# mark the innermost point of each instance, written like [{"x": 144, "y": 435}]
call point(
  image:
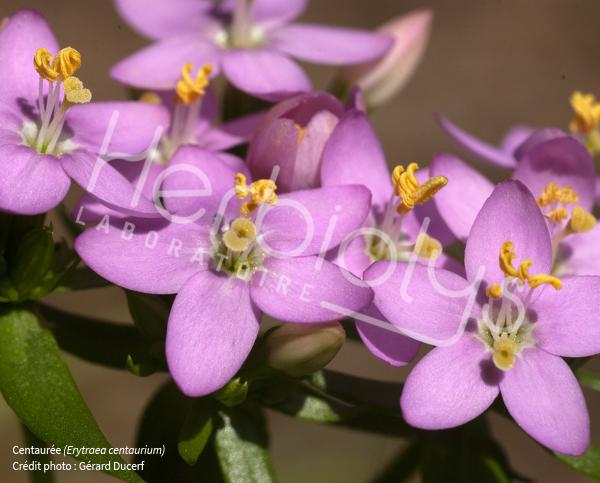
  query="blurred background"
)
[{"x": 490, "y": 64}]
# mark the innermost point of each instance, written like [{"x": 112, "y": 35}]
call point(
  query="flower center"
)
[
  {"x": 238, "y": 252},
  {"x": 241, "y": 32},
  {"x": 504, "y": 328},
  {"x": 189, "y": 92},
  {"x": 586, "y": 119},
  {"x": 58, "y": 73},
  {"x": 410, "y": 192}
]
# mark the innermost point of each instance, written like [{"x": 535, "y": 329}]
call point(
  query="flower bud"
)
[
  {"x": 381, "y": 79},
  {"x": 302, "y": 349},
  {"x": 292, "y": 136}
]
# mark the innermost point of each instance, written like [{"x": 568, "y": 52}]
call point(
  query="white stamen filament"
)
[
  {"x": 241, "y": 27},
  {"x": 52, "y": 116}
]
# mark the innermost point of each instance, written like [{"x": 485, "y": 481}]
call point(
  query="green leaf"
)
[
  {"x": 37, "y": 476},
  {"x": 38, "y": 386},
  {"x": 589, "y": 379},
  {"x": 401, "y": 467},
  {"x": 149, "y": 313},
  {"x": 81, "y": 278},
  {"x": 93, "y": 340},
  {"x": 196, "y": 430},
  {"x": 160, "y": 425},
  {"x": 241, "y": 443},
  {"x": 303, "y": 401},
  {"x": 33, "y": 260},
  {"x": 588, "y": 464},
  {"x": 467, "y": 453}
]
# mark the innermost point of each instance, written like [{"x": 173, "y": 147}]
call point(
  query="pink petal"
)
[
  {"x": 450, "y": 386},
  {"x": 545, "y": 399},
  {"x": 330, "y": 45},
  {"x": 158, "y": 66},
  {"x": 408, "y": 298},
  {"x": 146, "y": 256},
  {"x": 304, "y": 289},
  {"x": 509, "y": 214},
  {"x": 567, "y": 321},
  {"x": 264, "y": 73},
  {"x": 461, "y": 199},
  {"x": 165, "y": 18},
  {"x": 211, "y": 329},
  {"x": 30, "y": 183}
]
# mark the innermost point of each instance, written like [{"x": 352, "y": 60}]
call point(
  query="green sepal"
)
[{"x": 196, "y": 430}]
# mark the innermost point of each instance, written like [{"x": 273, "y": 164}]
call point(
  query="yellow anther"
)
[
  {"x": 581, "y": 221},
  {"x": 558, "y": 215},
  {"x": 505, "y": 352},
  {"x": 412, "y": 192},
  {"x": 150, "y": 97},
  {"x": 42, "y": 61},
  {"x": 586, "y": 110},
  {"x": 75, "y": 93},
  {"x": 67, "y": 62},
  {"x": 494, "y": 291},
  {"x": 553, "y": 194},
  {"x": 189, "y": 89},
  {"x": 427, "y": 247},
  {"x": 544, "y": 279},
  {"x": 506, "y": 258},
  {"x": 260, "y": 192},
  {"x": 301, "y": 133},
  {"x": 240, "y": 235}
]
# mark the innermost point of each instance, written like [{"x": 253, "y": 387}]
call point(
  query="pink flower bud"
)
[{"x": 382, "y": 79}]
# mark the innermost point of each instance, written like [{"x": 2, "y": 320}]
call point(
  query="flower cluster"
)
[{"x": 308, "y": 225}]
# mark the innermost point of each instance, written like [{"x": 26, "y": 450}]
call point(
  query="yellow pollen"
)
[
  {"x": 494, "y": 291},
  {"x": 42, "y": 61},
  {"x": 75, "y": 93},
  {"x": 240, "y": 235},
  {"x": 427, "y": 247},
  {"x": 260, "y": 192},
  {"x": 581, "y": 221},
  {"x": 506, "y": 258},
  {"x": 301, "y": 132},
  {"x": 553, "y": 194},
  {"x": 412, "y": 192},
  {"x": 505, "y": 352},
  {"x": 150, "y": 97},
  {"x": 586, "y": 117},
  {"x": 558, "y": 215},
  {"x": 67, "y": 62},
  {"x": 189, "y": 89}
]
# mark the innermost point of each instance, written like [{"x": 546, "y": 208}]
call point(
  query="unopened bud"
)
[
  {"x": 381, "y": 79},
  {"x": 302, "y": 349}
]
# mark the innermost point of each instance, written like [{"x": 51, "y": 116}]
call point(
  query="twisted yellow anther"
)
[
  {"x": 75, "y": 93},
  {"x": 42, "y": 61},
  {"x": 506, "y": 258},
  {"x": 189, "y": 89},
  {"x": 586, "y": 117},
  {"x": 558, "y": 215},
  {"x": 427, "y": 247},
  {"x": 553, "y": 194},
  {"x": 412, "y": 192},
  {"x": 581, "y": 221},
  {"x": 67, "y": 62},
  {"x": 260, "y": 192}
]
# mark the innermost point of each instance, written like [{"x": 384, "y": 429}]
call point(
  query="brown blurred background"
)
[{"x": 490, "y": 64}]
